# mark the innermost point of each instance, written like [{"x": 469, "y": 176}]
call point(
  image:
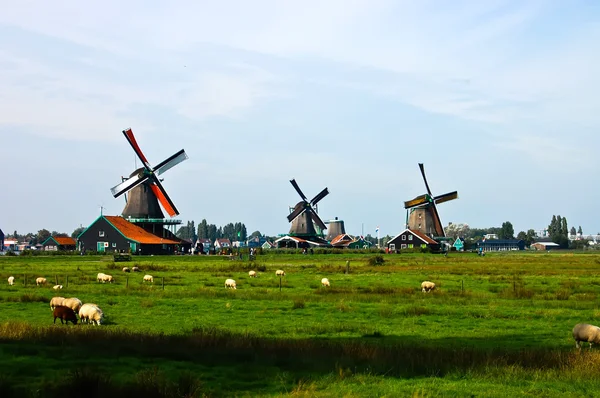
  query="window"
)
[
  {"x": 403, "y": 237},
  {"x": 410, "y": 246},
  {"x": 403, "y": 246},
  {"x": 392, "y": 246},
  {"x": 101, "y": 234},
  {"x": 114, "y": 245},
  {"x": 409, "y": 237}
]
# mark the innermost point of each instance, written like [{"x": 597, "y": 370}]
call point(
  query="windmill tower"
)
[
  {"x": 304, "y": 218},
  {"x": 422, "y": 214},
  {"x": 335, "y": 228},
  {"x": 145, "y": 191}
]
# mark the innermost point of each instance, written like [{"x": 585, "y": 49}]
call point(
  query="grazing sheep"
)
[
  {"x": 585, "y": 332},
  {"x": 280, "y": 272},
  {"x": 100, "y": 277},
  {"x": 427, "y": 286},
  {"x": 135, "y": 269},
  {"x": 108, "y": 278},
  {"x": 65, "y": 314},
  {"x": 73, "y": 303},
  {"x": 56, "y": 287},
  {"x": 325, "y": 282},
  {"x": 40, "y": 281},
  {"x": 252, "y": 274},
  {"x": 56, "y": 301},
  {"x": 91, "y": 313},
  {"x": 230, "y": 283},
  {"x": 148, "y": 278},
  {"x": 11, "y": 280},
  {"x": 126, "y": 269}
]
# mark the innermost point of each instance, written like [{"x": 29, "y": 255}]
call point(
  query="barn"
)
[
  {"x": 59, "y": 243},
  {"x": 411, "y": 239}
]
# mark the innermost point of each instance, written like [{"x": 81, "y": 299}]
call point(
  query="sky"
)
[{"x": 499, "y": 100}]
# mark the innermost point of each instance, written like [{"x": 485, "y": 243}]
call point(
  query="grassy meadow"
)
[{"x": 498, "y": 325}]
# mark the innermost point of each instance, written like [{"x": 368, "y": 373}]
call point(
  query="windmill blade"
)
[
  {"x": 424, "y": 178},
  {"x": 419, "y": 200},
  {"x": 446, "y": 197},
  {"x": 317, "y": 220},
  {"x": 439, "y": 229},
  {"x": 163, "y": 198},
  {"x": 319, "y": 196},
  {"x": 131, "y": 139},
  {"x": 293, "y": 181},
  {"x": 170, "y": 162},
  {"x": 128, "y": 184},
  {"x": 298, "y": 209}
]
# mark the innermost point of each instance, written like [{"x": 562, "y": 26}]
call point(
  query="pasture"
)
[{"x": 498, "y": 325}]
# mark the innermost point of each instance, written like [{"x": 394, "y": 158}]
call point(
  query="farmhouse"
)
[
  {"x": 342, "y": 240},
  {"x": 116, "y": 234},
  {"x": 499, "y": 245},
  {"x": 294, "y": 242},
  {"x": 63, "y": 243},
  {"x": 410, "y": 239},
  {"x": 544, "y": 246},
  {"x": 359, "y": 243},
  {"x": 459, "y": 244},
  {"x": 222, "y": 243}
]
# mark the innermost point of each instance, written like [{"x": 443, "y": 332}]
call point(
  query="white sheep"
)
[
  {"x": 230, "y": 283},
  {"x": 11, "y": 280},
  {"x": 427, "y": 286},
  {"x": 57, "y": 287},
  {"x": 325, "y": 282},
  {"x": 107, "y": 278},
  {"x": 100, "y": 277},
  {"x": 40, "y": 281},
  {"x": 280, "y": 272},
  {"x": 56, "y": 301},
  {"x": 148, "y": 278},
  {"x": 91, "y": 313},
  {"x": 585, "y": 332},
  {"x": 252, "y": 274},
  {"x": 126, "y": 269},
  {"x": 135, "y": 269},
  {"x": 73, "y": 303}
]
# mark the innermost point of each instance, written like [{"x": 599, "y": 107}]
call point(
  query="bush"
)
[
  {"x": 376, "y": 260},
  {"x": 298, "y": 304}
]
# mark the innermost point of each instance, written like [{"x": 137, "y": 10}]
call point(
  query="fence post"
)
[
  {"x": 279, "y": 283},
  {"x": 56, "y": 279},
  {"x": 24, "y": 279},
  {"x": 348, "y": 267},
  {"x": 163, "y": 283},
  {"x": 126, "y": 282},
  {"x": 462, "y": 284},
  {"x": 67, "y": 282}
]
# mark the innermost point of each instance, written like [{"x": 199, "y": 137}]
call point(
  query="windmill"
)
[
  {"x": 144, "y": 189},
  {"x": 424, "y": 216},
  {"x": 304, "y": 217}
]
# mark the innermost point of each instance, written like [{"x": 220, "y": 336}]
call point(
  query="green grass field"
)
[{"x": 498, "y": 325}]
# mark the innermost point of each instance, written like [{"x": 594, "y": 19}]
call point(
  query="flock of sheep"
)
[{"x": 66, "y": 309}]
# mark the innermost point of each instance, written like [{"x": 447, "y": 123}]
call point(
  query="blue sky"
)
[{"x": 499, "y": 99}]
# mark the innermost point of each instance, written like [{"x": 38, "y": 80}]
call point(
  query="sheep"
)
[
  {"x": 280, "y": 272},
  {"x": 325, "y": 282},
  {"x": 108, "y": 278},
  {"x": 91, "y": 313},
  {"x": 427, "y": 286},
  {"x": 40, "y": 281},
  {"x": 585, "y": 332},
  {"x": 126, "y": 269},
  {"x": 57, "y": 287},
  {"x": 148, "y": 278},
  {"x": 252, "y": 274},
  {"x": 100, "y": 277},
  {"x": 135, "y": 269},
  {"x": 73, "y": 303},
  {"x": 230, "y": 283},
  {"x": 56, "y": 301},
  {"x": 65, "y": 314},
  {"x": 11, "y": 280}
]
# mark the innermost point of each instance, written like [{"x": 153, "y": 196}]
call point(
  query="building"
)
[
  {"x": 115, "y": 234},
  {"x": 267, "y": 245},
  {"x": 203, "y": 246},
  {"x": 1, "y": 241},
  {"x": 411, "y": 239},
  {"x": 341, "y": 241},
  {"x": 459, "y": 244},
  {"x": 544, "y": 246},
  {"x": 63, "y": 243},
  {"x": 360, "y": 243},
  {"x": 222, "y": 244},
  {"x": 294, "y": 242},
  {"x": 500, "y": 245}
]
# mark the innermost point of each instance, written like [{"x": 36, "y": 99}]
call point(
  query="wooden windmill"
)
[
  {"x": 145, "y": 193},
  {"x": 422, "y": 211},
  {"x": 304, "y": 218}
]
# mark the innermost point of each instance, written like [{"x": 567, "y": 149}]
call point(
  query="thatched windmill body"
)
[
  {"x": 422, "y": 211},
  {"x": 144, "y": 192},
  {"x": 306, "y": 223}
]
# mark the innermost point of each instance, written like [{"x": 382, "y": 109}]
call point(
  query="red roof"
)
[
  {"x": 423, "y": 237},
  {"x": 64, "y": 240},
  {"x": 138, "y": 234}
]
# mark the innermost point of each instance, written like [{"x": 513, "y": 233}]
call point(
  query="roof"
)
[
  {"x": 423, "y": 237},
  {"x": 546, "y": 243},
  {"x": 298, "y": 240},
  {"x": 500, "y": 241},
  {"x": 136, "y": 233},
  {"x": 64, "y": 240},
  {"x": 341, "y": 238},
  {"x": 223, "y": 240}
]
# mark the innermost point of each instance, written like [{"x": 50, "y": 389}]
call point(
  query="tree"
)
[
  {"x": 522, "y": 236},
  {"x": 56, "y": 233},
  {"x": 203, "y": 229},
  {"x": 457, "y": 230},
  {"x": 42, "y": 235},
  {"x": 256, "y": 234},
  {"x": 507, "y": 231},
  {"x": 531, "y": 235},
  {"x": 77, "y": 232},
  {"x": 558, "y": 231},
  {"x": 573, "y": 231},
  {"x": 580, "y": 231}
]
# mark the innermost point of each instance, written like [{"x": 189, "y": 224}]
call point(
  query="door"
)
[{"x": 100, "y": 247}]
